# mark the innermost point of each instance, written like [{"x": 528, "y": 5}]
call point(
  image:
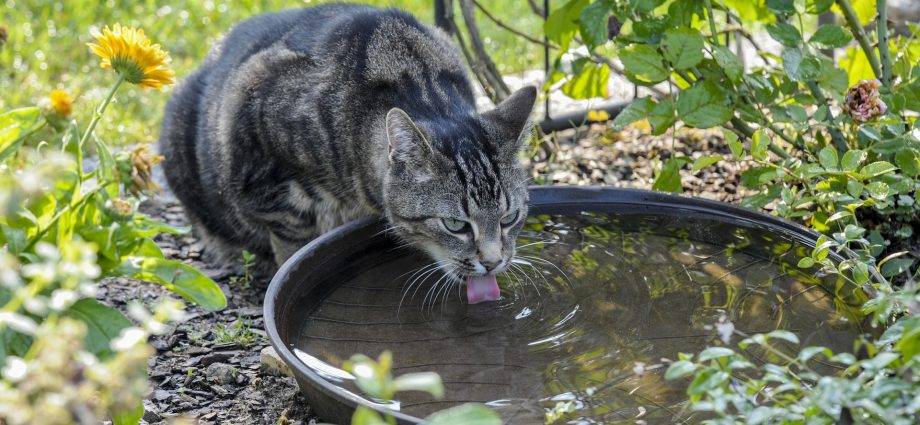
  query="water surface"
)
[{"x": 594, "y": 307}]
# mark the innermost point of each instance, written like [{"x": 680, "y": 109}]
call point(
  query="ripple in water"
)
[{"x": 590, "y": 310}]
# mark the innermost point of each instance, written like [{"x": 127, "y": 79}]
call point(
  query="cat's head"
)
[{"x": 455, "y": 187}]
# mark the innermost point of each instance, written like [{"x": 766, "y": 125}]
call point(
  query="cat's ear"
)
[
  {"x": 406, "y": 140},
  {"x": 513, "y": 112},
  {"x": 512, "y": 116}
]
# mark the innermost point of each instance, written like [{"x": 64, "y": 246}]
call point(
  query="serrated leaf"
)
[
  {"x": 644, "y": 62},
  {"x": 703, "y": 106},
  {"x": 729, "y": 62},
  {"x": 668, "y": 179},
  {"x": 800, "y": 66},
  {"x": 908, "y": 161},
  {"x": 784, "y": 33},
  {"x": 683, "y": 47},
  {"x": 635, "y": 111},
  {"x": 831, "y": 36},
  {"x": 592, "y": 22}
]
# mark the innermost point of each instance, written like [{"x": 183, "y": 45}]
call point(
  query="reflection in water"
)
[{"x": 592, "y": 308}]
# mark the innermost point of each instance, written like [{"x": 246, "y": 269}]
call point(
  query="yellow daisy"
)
[
  {"x": 130, "y": 53},
  {"x": 61, "y": 102}
]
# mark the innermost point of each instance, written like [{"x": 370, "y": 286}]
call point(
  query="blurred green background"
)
[{"x": 46, "y": 49}]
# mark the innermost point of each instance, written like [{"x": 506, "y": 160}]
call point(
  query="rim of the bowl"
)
[{"x": 542, "y": 198}]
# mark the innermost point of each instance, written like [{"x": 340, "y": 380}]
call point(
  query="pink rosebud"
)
[{"x": 863, "y": 101}]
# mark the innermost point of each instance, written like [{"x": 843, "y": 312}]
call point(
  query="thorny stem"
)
[
  {"x": 853, "y": 21},
  {"x": 881, "y": 26}
]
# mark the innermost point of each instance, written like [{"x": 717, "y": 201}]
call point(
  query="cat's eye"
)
[
  {"x": 455, "y": 226},
  {"x": 510, "y": 219}
]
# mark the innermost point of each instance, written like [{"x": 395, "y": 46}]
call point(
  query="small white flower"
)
[
  {"x": 47, "y": 251},
  {"x": 15, "y": 369},
  {"x": 18, "y": 322},
  {"x": 137, "y": 311},
  {"x": 89, "y": 290},
  {"x": 639, "y": 368},
  {"x": 725, "y": 329},
  {"x": 129, "y": 337},
  {"x": 37, "y": 305},
  {"x": 44, "y": 272},
  {"x": 62, "y": 298}
]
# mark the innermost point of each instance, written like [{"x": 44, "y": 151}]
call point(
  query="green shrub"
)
[{"x": 834, "y": 146}]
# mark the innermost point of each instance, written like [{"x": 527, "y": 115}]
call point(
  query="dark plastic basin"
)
[{"x": 339, "y": 294}]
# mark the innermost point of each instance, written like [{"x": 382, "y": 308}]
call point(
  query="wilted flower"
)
[
  {"x": 136, "y": 168},
  {"x": 863, "y": 102},
  {"x": 4, "y": 35},
  {"x": 130, "y": 53},
  {"x": 61, "y": 102}
]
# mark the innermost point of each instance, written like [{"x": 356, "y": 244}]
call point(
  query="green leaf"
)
[
  {"x": 366, "y": 416},
  {"x": 818, "y": 7},
  {"x": 562, "y": 24},
  {"x": 784, "y": 335},
  {"x": 908, "y": 161},
  {"x": 428, "y": 382},
  {"x": 729, "y": 62},
  {"x": 15, "y": 126},
  {"x": 103, "y": 324},
  {"x": 465, "y": 414},
  {"x": 668, "y": 179},
  {"x": 827, "y": 157},
  {"x": 852, "y": 159},
  {"x": 831, "y": 36},
  {"x": 662, "y": 116},
  {"x": 683, "y": 47},
  {"x": 865, "y": 10},
  {"x": 178, "y": 277},
  {"x": 781, "y": 6},
  {"x": 679, "y": 369},
  {"x": 705, "y": 161},
  {"x": 784, "y": 33},
  {"x": 855, "y": 188},
  {"x": 856, "y": 65},
  {"x": 593, "y": 22},
  {"x": 749, "y": 10},
  {"x": 635, "y": 111},
  {"x": 800, "y": 66},
  {"x": 715, "y": 353},
  {"x": 877, "y": 168},
  {"x": 703, "y": 106},
  {"x": 130, "y": 416},
  {"x": 878, "y": 190},
  {"x": 896, "y": 266},
  {"x": 760, "y": 142},
  {"x": 591, "y": 81},
  {"x": 808, "y": 353},
  {"x": 806, "y": 262},
  {"x": 736, "y": 147},
  {"x": 644, "y": 63}
]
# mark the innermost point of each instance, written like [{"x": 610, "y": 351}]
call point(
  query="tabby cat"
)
[{"x": 301, "y": 120}]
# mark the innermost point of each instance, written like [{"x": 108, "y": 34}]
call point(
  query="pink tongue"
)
[{"x": 481, "y": 288}]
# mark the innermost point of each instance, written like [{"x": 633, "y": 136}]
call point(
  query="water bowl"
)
[{"x": 609, "y": 284}]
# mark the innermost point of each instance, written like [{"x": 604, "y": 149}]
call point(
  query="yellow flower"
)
[
  {"x": 130, "y": 53},
  {"x": 596, "y": 115},
  {"x": 61, "y": 102}
]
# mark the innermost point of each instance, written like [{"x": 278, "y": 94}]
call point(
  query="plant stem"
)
[
  {"x": 839, "y": 142},
  {"x": 97, "y": 116},
  {"x": 853, "y": 21},
  {"x": 881, "y": 27},
  {"x": 712, "y": 22},
  {"x": 748, "y": 132}
]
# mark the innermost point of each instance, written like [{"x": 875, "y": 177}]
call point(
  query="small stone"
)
[
  {"x": 220, "y": 373},
  {"x": 271, "y": 363},
  {"x": 160, "y": 395}
]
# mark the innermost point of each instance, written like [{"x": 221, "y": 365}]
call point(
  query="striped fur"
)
[{"x": 301, "y": 120}]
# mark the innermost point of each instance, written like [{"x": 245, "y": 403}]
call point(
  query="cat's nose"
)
[{"x": 491, "y": 265}]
